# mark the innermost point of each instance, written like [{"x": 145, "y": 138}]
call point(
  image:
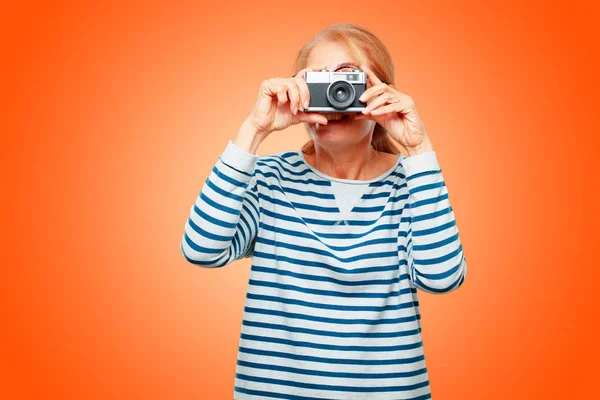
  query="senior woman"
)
[{"x": 341, "y": 233}]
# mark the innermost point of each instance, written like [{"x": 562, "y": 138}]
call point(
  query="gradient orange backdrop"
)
[{"x": 114, "y": 114}]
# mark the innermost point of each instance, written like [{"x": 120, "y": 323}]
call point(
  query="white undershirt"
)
[{"x": 347, "y": 195}]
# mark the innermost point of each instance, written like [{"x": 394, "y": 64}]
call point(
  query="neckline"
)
[{"x": 354, "y": 181}]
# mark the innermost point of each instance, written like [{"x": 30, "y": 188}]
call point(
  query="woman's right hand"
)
[{"x": 281, "y": 102}]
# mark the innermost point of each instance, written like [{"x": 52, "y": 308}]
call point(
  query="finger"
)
[
  {"x": 282, "y": 94},
  {"x": 363, "y": 116},
  {"x": 303, "y": 87},
  {"x": 294, "y": 97},
  {"x": 372, "y": 91},
  {"x": 394, "y": 107},
  {"x": 312, "y": 117},
  {"x": 402, "y": 104},
  {"x": 378, "y": 101},
  {"x": 371, "y": 75},
  {"x": 271, "y": 87},
  {"x": 304, "y": 93}
]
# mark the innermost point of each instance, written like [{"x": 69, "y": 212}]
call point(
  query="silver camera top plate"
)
[{"x": 358, "y": 77}]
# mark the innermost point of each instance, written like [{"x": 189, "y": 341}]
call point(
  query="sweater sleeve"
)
[
  {"x": 223, "y": 222},
  {"x": 433, "y": 250}
]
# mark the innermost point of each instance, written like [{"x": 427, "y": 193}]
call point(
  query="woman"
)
[{"x": 341, "y": 234}]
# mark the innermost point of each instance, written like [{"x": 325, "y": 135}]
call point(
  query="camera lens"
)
[{"x": 340, "y": 94}]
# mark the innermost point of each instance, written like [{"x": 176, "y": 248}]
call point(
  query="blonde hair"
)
[{"x": 360, "y": 42}]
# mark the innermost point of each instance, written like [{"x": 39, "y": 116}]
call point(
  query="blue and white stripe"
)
[{"x": 331, "y": 309}]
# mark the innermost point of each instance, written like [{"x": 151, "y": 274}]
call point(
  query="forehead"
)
[{"x": 330, "y": 54}]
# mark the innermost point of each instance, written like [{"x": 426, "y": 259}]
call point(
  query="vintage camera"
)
[{"x": 336, "y": 91}]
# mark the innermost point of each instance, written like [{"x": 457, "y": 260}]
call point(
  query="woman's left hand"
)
[{"x": 396, "y": 112}]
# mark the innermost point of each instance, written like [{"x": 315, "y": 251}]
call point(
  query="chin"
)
[{"x": 336, "y": 137}]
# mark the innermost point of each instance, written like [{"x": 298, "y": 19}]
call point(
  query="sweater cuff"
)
[
  {"x": 239, "y": 158},
  {"x": 426, "y": 161}
]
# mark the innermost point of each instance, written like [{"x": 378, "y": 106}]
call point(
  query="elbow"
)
[
  {"x": 200, "y": 256},
  {"x": 444, "y": 282}
]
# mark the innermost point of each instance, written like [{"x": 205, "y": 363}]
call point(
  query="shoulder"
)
[{"x": 284, "y": 163}]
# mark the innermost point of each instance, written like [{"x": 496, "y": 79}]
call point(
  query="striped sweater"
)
[{"x": 331, "y": 309}]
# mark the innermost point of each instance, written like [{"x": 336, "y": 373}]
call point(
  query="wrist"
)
[
  {"x": 249, "y": 137},
  {"x": 422, "y": 147}
]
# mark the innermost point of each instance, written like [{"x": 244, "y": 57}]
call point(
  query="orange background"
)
[{"x": 114, "y": 114}]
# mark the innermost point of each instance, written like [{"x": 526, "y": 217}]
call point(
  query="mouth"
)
[{"x": 338, "y": 118}]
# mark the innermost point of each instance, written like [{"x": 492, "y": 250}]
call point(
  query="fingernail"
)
[
  {"x": 361, "y": 98},
  {"x": 295, "y": 110},
  {"x": 306, "y": 104}
]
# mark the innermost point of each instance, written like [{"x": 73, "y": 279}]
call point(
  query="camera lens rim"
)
[{"x": 341, "y": 104}]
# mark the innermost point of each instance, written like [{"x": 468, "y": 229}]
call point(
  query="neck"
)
[{"x": 356, "y": 161}]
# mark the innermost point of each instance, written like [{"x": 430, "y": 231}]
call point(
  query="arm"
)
[
  {"x": 433, "y": 250},
  {"x": 224, "y": 220}
]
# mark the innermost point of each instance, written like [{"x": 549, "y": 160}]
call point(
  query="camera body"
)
[{"x": 336, "y": 91}]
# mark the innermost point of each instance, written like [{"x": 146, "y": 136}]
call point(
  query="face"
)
[{"x": 338, "y": 134}]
